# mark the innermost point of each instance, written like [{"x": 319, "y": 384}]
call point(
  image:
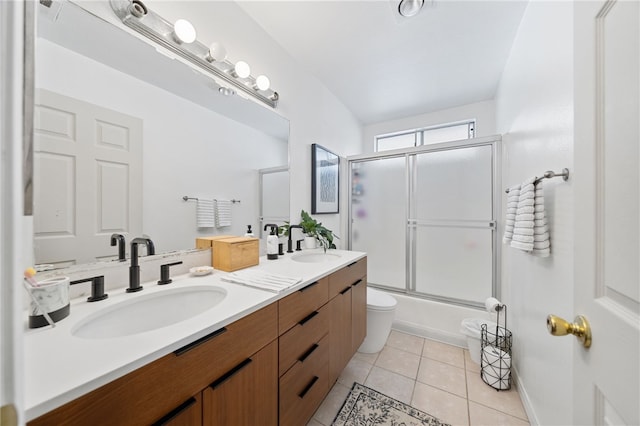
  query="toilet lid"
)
[{"x": 380, "y": 300}]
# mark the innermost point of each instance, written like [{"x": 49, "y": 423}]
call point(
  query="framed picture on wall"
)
[{"x": 325, "y": 179}]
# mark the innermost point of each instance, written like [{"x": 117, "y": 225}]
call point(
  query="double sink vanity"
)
[{"x": 202, "y": 351}]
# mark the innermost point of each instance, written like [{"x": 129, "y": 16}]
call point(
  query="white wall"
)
[
  {"x": 534, "y": 112},
  {"x": 315, "y": 114},
  {"x": 483, "y": 112}
]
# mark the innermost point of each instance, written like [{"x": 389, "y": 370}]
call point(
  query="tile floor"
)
[{"x": 434, "y": 377}]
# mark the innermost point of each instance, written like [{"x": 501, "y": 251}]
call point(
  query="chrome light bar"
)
[{"x": 135, "y": 15}]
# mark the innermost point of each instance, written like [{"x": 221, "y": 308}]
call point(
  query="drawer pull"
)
[
  {"x": 308, "y": 352},
  {"x": 308, "y": 387},
  {"x": 345, "y": 290},
  {"x": 306, "y": 319},
  {"x": 198, "y": 342},
  {"x": 308, "y": 287},
  {"x": 357, "y": 282},
  {"x": 175, "y": 412},
  {"x": 226, "y": 376},
  {"x": 351, "y": 264}
]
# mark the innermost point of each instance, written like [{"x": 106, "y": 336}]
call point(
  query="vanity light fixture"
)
[
  {"x": 242, "y": 69},
  {"x": 180, "y": 38},
  {"x": 183, "y": 31},
  {"x": 409, "y": 8},
  {"x": 262, "y": 82},
  {"x": 217, "y": 52}
]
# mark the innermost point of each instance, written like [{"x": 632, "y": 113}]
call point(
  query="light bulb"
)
[
  {"x": 184, "y": 32},
  {"x": 262, "y": 82},
  {"x": 242, "y": 69},
  {"x": 217, "y": 52}
]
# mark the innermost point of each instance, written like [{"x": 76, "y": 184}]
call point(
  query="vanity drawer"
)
[
  {"x": 201, "y": 362},
  {"x": 346, "y": 276},
  {"x": 298, "y": 305},
  {"x": 304, "y": 386},
  {"x": 150, "y": 392},
  {"x": 297, "y": 341}
]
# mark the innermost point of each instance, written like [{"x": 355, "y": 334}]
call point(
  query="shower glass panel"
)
[
  {"x": 378, "y": 218},
  {"x": 452, "y": 223}
]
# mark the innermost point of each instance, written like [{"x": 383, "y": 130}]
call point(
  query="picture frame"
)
[{"x": 325, "y": 180}]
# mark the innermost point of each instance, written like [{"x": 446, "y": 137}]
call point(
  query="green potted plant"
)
[{"x": 314, "y": 231}]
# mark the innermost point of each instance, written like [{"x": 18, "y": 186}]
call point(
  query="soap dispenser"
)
[
  {"x": 272, "y": 241},
  {"x": 249, "y": 232}
]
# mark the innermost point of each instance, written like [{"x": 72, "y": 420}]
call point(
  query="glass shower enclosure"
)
[{"x": 426, "y": 217}]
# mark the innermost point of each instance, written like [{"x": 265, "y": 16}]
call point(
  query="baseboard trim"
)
[
  {"x": 524, "y": 397},
  {"x": 430, "y": 333}
]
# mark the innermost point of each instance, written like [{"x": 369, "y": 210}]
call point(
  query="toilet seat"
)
[{"x": 379, "y": 301}]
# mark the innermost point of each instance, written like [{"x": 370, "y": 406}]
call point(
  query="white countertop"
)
[{"x": 60, "y": 367}]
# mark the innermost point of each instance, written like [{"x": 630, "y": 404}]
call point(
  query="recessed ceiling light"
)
[{"x": 409, "y": 8}]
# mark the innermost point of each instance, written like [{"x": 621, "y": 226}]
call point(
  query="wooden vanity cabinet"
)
[
  {"x": 304, "y": 352},
  {"x": 321, "y": 328},
  {"x": 245, "y": 395},
  {"x": 348, "y": 306},
  {"x": 151, "y": 393}
]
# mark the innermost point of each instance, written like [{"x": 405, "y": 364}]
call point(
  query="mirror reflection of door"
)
[
  {"x": 274, "y": 196},
  {"x": 89, "y": 180}
]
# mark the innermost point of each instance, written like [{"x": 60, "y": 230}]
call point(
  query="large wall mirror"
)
[{"x": 124, "y": 132}]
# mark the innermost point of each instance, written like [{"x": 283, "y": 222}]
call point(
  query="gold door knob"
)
[{"x": 579, "y": 328}]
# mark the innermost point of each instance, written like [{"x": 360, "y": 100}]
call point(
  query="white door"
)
[
  {"x": 607, "y": 217},
  {"x": 87, "y": 180}
]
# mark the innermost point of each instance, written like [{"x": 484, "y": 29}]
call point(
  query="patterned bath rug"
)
[{"x": 367, "y": 407}]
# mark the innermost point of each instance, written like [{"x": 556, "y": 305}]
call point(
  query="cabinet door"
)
[
  {"x": 189, "y": 413},
  {"x": 339, "y": 333},
  {"x": 358, "y": 313},
  {"x": 247, "y": 394}
]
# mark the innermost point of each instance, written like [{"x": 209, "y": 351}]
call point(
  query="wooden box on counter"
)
[{"x": 230, "y": 253}]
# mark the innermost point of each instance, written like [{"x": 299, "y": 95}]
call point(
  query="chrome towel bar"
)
[{"x": 551, "y": 174}]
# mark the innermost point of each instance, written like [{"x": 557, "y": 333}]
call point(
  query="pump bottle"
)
[{"x": 272, "y": 241}]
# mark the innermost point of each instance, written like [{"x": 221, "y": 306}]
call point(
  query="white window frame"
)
[{"x": 419, "y": 132}]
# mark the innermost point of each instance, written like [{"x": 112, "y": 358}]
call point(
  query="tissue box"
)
[{"x": 231, "y": 253}]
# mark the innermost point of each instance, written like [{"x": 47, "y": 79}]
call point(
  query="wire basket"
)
[{"x": 495, "y": 357}]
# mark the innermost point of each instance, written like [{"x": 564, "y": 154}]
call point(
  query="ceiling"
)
[{"x": 383, "y": 66}]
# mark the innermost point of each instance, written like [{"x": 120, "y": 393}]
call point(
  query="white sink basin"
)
[
  {"x": 315, "y": 257},
  {"x": 149, "y": 312}
]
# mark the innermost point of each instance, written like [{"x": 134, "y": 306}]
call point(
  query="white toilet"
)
[{"x": 381, "y": 308}]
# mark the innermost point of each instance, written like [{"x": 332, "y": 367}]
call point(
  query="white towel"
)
[
  {"x": 223, "y": 213},
  {"x": 530, "y": 230},
  {"x": 262, "y": 280},
  {"x": 512, "y": 204},
  {"x": 541, "y": 243},
  {"x": 204, "y": 213},
  {"x": 523, "y": 227}
]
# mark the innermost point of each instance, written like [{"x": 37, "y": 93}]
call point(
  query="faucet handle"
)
[
  {"x": 97, "y": 288},
  {"x": 164, "y": 273}
]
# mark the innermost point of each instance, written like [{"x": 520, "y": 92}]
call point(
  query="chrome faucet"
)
[
  {"x": 134, "y": 269},
  {"x": 119, "y": 240},
  {"x": 290, "y": 243}
]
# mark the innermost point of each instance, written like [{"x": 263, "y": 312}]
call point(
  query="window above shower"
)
[{"x": 446, "y": 132}]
